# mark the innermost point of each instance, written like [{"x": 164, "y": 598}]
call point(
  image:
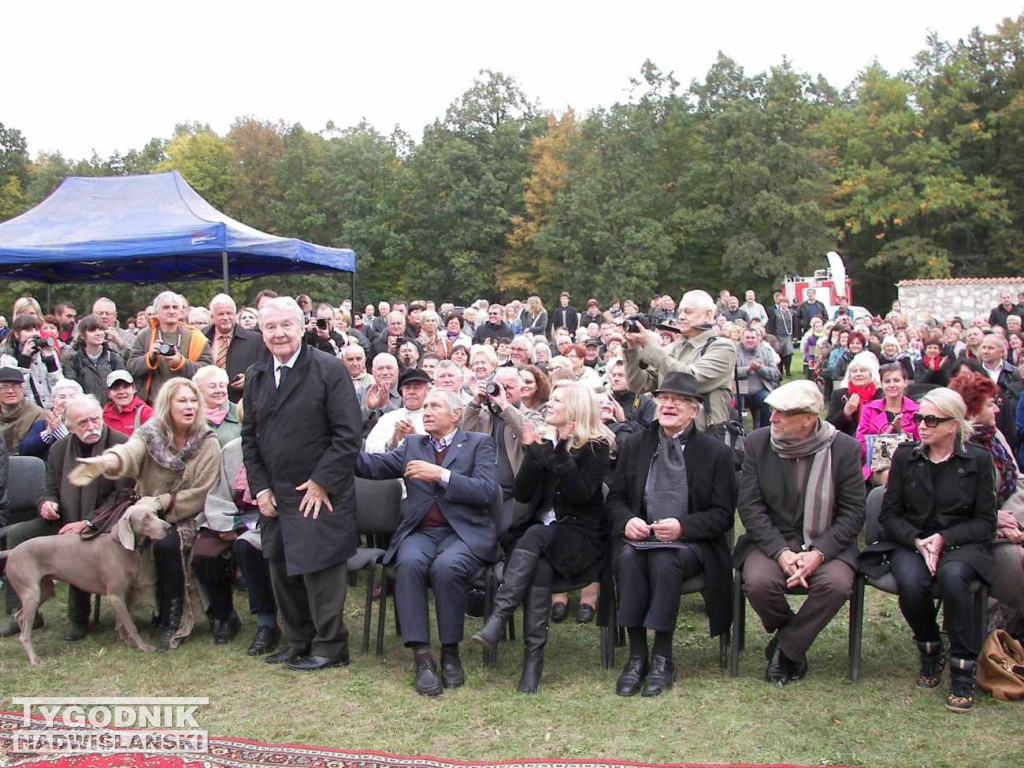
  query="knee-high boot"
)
[
  {"x": 535, "y": 636},
  {"x": 518, "y": 572}
]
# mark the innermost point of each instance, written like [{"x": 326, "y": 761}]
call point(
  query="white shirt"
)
[
  {"x": 290, "y": 363},
  {"x": 994, "y": 375},
  {"x": 379, "y": 437}
]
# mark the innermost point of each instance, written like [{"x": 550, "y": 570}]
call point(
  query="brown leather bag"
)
[{"x": 1001, "y": 667}]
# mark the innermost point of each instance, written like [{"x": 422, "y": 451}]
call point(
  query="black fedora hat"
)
[
  {"x": 679, "y": 383},
  {"x": 410, "y": 375}
]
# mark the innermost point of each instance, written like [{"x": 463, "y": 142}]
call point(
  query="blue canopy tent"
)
[{"x": 148, "y": 229}]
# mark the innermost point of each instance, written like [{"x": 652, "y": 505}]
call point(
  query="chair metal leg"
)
[
  {"x": 981, "y": 612},
  {"x": 620, "y": 637},
  {"x": 490, "y": 655},
  {"x": 371, "y": 571},
  {"x": 723, "y": 650},
  {"x": 737, "y": 624},
  {"x": 856, "y": 626},
  {"x": 382, "y": 610}
]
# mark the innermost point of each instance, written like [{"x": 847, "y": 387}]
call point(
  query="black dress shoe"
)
[
  {"x": 797, "y": 669},
  {"x": 585, "y": 614},
  {"x": 559, "y": 611},
  {"x": 427, "y": 682},
  {"x": 286, "y": 654},
  {"x": 777, "y": 671},
  {"x": 264, "y": 641},
  {"x": 632, "y": 676},
  {"x": 227, "y": 629},
  {"x": 75, "y": 632},
  {"x": 452, "y": 675},
  {"x": 660, "y": 678},
  {"x": 315, "y": 663}
]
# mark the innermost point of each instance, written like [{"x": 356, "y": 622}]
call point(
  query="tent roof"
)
[{"x": 145, "y": 229}]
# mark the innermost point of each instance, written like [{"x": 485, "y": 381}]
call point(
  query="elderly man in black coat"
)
[
  {"x": 672, "y": 500},
  {"x": 300, "y": 438},
  {"x": 802, "y": 504}
]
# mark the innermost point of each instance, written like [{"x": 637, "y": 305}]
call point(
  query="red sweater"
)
[{"x": 124, "y": 421}]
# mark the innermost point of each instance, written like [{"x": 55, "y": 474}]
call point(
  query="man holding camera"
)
[
  {"x": 233, "y": 347},
  {"x": 392, "y": 337},
  {"x": 320, "y": 333},
  {"x": 700, "y": 351},
  {"x": 167, "y": 348}
]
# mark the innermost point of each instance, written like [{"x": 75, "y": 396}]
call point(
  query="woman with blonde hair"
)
[
  {"x": 535, "y": 317},
  {"x": 175, "y": 459},
  {"x": 938, "y": 518},
  {"x": 432, "y": 338},
  {"x": 565, "y": 535}
]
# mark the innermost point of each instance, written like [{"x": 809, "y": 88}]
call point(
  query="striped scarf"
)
[{"x": 819, "y": 495}]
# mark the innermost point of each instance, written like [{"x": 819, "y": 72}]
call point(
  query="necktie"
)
[
  {"x": 223, "y": 342},
  {"x": 282, "y": 374}
]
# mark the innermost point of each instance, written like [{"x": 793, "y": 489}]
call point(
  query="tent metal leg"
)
[{"x": 224, "y": 270}]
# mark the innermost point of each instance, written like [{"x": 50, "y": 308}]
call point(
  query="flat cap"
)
[
  {"x": 11, "y": 375},
  {"x": 802, "y": 395}
]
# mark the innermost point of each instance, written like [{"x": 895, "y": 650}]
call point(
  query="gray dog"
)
[{"x": 106, "y": 565}]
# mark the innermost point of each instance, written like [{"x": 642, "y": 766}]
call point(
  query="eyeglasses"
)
[{"x": 930, "y": 421}]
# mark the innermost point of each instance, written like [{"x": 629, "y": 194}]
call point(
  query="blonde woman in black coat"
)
[{"x": 566, "y": 533}]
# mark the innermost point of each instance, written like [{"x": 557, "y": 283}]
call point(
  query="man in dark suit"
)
[
  {"x": 809, "y": 309},
  {"x": 233, "y": 347},
  {"x": 445, "y": 535},
  {"x": 300, "y": 438},
  {"x": 802, "y": 505},
  {"x": 675, "y": 486},
  {"x": 781, "y": 325},
  {"x": 564, "y": 315}
]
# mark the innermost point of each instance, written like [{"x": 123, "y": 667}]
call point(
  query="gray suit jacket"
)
[{"x": 771, "y": 509}]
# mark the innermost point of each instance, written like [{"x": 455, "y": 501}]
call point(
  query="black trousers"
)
[
  {"x": 433, "y": 557},
  {"x": 216, "y": 574},
  {"x": 650, "y": 585},
  {"x": 312, "y": 608},
  {"x": 170, "y": 576},
  {"x": 918, "y": 608},
  {"x": 256, "y": 572}
]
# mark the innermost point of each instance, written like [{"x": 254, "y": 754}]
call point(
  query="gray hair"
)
[
  {"x": 62, "y": 384},
  {"x": 81, "y": 401},
  {"x": 530, "y": 352},
  {"x": 451, "y": 400},
  {"x": 165, "y": 297},
  {"x": 700, "y": 299},
  {"x": 282, "y": 304},
  {"x": 223, "y": 298},
  {"x": 949, "y": 403},
  {"x": 210, "y": 372},
  {"x": 384, "y": 358}
]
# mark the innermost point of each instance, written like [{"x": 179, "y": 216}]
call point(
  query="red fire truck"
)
[{"x": 828, "y": 284}]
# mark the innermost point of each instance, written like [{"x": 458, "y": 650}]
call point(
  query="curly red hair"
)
[{"x": 975, "y": 389}]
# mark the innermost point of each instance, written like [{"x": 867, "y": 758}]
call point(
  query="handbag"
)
[
  {"x": 881, "y": 449},
  {"x": 1001, "y": 667}
]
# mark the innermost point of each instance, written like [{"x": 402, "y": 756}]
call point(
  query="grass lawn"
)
[{"x": 708, "y": 717}]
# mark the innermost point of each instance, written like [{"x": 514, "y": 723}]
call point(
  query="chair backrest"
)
[
  {"x": 872, "y": 528},
  {"x": 25, "y": 480},
  {"x": 378, "y": 505}
]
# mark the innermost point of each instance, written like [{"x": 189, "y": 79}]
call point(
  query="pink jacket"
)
[{"x": 874, "y": 420}]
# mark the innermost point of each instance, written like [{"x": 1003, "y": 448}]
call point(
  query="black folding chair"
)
[{"x": 378, "y": 509}]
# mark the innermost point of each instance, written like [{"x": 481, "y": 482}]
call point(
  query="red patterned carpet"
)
[{"x": 241, "y": 753}]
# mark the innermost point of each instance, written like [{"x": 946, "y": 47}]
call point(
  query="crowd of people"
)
[{"x": 611, "y": 439}]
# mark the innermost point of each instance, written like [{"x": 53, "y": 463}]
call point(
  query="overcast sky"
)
[{"x": 109, "y": 75}]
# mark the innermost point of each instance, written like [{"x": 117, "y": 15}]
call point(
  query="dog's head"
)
[{"x": 139, "y": 522}]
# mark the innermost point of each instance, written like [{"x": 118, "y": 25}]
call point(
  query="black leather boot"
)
[
  {"x": 171, "y": 623},
  {"x": 518, "y": 572},
  {"x": 961, "y": 688},
  {"x": 535, "y": 636},
  {"x": 933, "y": 661}
]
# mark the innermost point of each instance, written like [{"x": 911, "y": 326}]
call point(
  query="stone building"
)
[{"x": 966, "y": 297}]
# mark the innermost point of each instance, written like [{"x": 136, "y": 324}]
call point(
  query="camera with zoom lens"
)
[
  {"x": 167, "y": 350},
  {"x": 493, "y": 389},
  {"x": 322, "y": 323},
  {"x": 636, "y": 324},
  {"x": 44, "y": 341}
]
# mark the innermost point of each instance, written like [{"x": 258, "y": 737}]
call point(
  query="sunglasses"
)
[{"x": 931, "y": 421}]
